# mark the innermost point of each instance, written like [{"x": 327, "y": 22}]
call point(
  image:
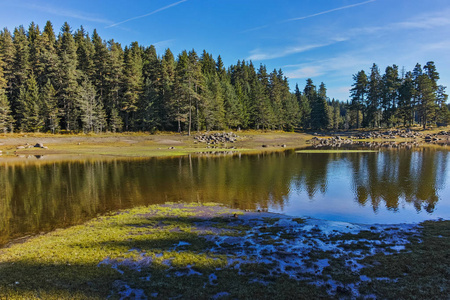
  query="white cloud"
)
[
  {"x": 259, "y": 54},
  {"x": 339, "y": 65},
  {"x": 68, "y": 13},
  {"x": 305, "y": 72},
  {"x": 163, "y": 44}
]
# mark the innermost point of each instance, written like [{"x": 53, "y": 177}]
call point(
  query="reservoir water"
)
[{"x": 40, "y": 194}]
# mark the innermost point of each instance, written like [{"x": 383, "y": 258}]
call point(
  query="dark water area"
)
[{"x": 389, "y": 186}]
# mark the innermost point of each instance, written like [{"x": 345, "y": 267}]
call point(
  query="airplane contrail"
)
[
  {"x": 149, "y": 14},
  {"x": 328, "y": 11}
]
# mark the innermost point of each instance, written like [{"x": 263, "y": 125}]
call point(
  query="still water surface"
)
[{"x": 394, "y": 186}]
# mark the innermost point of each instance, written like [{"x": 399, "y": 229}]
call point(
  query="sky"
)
[{"x": 325, "y": 40}]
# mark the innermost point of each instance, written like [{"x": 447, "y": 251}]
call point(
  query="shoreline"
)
[
  {"x": 224, "y": 253},
  {"x": 172, "y": 144}
]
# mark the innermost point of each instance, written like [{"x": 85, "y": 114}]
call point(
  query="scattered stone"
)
[
  {"x": 171, "y": 148},
  {"x": 216, "y": 138}
]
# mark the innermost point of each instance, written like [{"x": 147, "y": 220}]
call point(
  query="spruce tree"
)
[
  {"x": 426, "y": 99},
  {"x": 133, "y": 84},
  {"x": 114, "y": 77},
  {"x": 310, "y": 93},
  {"x": 67, "y": 81},
  {"x": 374, "y": 94},
  {"x": 87, "y": 103},
  {"x": 304, "y": 108},
  {"x": 8, "y": 52},
  {"x": 405, "y": 99},
  {"x": 51, "y": 111},
  {"x": 100, "y": 66},
  {"x": 232, "y": 106},
  {"x": 389, "y": 101},
  {"x": 168, "y": 107},
  {"x": 48, "y": 64},
  {"x": 6, "y": 120},
  {"x": 358, "y": 94},
  {"x": 85, "y": 53},
  {"x": 115, "y": 121},
  {"x": 21, "y": 67}
]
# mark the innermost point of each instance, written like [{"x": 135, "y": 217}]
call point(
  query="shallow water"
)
[{"x": 390, "y": 186}]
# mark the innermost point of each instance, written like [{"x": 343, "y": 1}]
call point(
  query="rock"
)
[
  {"x": 20, "y": 147},
  {"x": 171, "y": 148},
  {"x": 39, "y": 145},
  {"x": 264, "y": 146},
  {"x": 283, "y": 146}
]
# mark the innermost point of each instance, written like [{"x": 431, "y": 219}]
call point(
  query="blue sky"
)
[{"x": 326, "y": 40}]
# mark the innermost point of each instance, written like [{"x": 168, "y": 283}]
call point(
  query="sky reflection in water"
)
[{"x": 385, "y": 187}]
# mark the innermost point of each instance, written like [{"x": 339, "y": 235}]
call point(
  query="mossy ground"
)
[{"x": 208, "y": 251}]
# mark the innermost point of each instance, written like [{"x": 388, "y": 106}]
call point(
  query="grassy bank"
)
[
  {"x": 145, "y": 145},
  {"x": 212, "y": 252}
]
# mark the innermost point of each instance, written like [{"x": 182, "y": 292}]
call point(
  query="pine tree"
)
[
  {"x": 319, "y": 114},
  {"x": 277, "y": 98},
  {"x": 8, "y": 52},
  {"x": 6, "y": 119},
  {"x": 263, "y": 113},
  {"x": 21, "y": 66},
  {"x": 115, "y": 121},
  {"x": 150, "y": 106},
  {"x": 374, "y": 93},
  {"x": 359, "y": 94},
  {"x": 168, "y": 107},
  {"x": 220, "y": 69},
  {"x": 88, "y": 106},
  {"x": 28, "y": 115},
  {"x": 310, "y": 93},
  {"x": 34, "y": 121},
  {"x": 195, "y": 80},
  {"x": 85, "y": 53},
  {"x": 213, "y": 106},
  {"x": 114, "y": 77},
  {"x": 36, "y": 46},
  {"x": 291, "y": 112},
  {"x": 405, "y": 99},
  {"x": 68, "y": 78},
  {"x": 304, "y": 108},
  {"x": 100, "y": 66},
  {"x": 47, "y": 67},
  {"x": 133, "y": 83},
  {"x": 232, "y": 106},
  {"x": 51, "y": 111},
  {"x": 391, "y": 84},
  {"x": 426, "y": 99}
]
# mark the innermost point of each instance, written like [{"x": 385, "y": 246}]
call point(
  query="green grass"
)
[
  {"x": 422, "y": 271},
  {"x": 154, "y": 249},
  {"x": 336, "y": 151}
]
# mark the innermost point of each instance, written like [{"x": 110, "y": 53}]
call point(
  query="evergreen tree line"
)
[
  {"x": 77, "y": 82},
  {"x": 392, "y": 99}
]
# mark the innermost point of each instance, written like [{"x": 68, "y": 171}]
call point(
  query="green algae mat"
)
[
  {"x": 336, "y": 151},
  {"x": 206, "y": 251}
]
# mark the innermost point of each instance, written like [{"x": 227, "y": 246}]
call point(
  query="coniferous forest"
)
[{"x": 77, "y": 82}]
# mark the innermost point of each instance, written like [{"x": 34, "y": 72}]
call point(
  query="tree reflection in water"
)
[{"x": 45, "y": 195}]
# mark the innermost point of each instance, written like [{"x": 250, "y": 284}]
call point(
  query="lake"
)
[{"x": 389, "y": 186}]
